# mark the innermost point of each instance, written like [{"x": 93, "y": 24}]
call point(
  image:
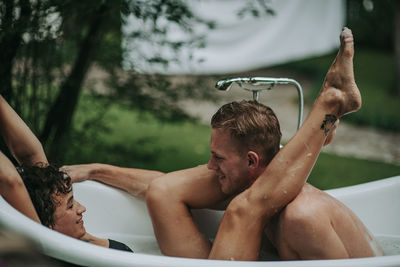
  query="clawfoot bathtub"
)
[{"x": 114, "y": 214}]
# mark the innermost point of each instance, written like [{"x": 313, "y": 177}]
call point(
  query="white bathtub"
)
[{"x": 114, "y": 214}]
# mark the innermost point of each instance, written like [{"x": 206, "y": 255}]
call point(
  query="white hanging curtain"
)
[{"x": 299, "y": 29}]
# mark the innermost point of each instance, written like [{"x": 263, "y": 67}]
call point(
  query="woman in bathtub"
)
[{"x": 38, "y": 189}]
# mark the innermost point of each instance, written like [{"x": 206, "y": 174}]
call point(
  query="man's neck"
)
[{"x": 257, "y": 173}]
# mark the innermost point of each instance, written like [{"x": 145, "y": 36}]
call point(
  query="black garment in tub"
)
[{"x": 118, "y": 245}]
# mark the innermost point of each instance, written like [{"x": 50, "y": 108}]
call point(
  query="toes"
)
[
  {"x": 346, "y": 32},
  {"x": 347, "y": 42}
]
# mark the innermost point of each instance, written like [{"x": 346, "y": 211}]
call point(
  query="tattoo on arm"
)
[
  {"x": 328, "y": 123},
  {"x": 88, "y": 240}
]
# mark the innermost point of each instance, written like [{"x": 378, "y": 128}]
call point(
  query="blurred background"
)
[{"x": 131, "y": 83}]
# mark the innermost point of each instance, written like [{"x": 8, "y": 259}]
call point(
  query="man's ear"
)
[{"x": 253, "y": 159}]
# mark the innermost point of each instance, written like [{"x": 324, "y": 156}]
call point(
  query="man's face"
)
[
  {"x": 232, "y": 167},
  {"x": 68, "y": 216}
]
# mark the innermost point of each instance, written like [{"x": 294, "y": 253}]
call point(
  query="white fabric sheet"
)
[{"x": 299, "y": 29}]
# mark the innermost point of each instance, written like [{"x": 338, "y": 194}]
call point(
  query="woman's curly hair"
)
[{"x": 43, "y": 182}]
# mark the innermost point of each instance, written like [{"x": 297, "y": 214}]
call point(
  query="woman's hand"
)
[{"x": 80, "y": 172}]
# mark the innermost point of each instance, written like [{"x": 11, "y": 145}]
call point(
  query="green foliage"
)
[
  {"x": 333, "y": 171},
  {"x": 256, "y": 8},
  {"x": 374, "y": 27},
  {"x": 52, "y": 44},
  {"x": 135, "y": 139}
]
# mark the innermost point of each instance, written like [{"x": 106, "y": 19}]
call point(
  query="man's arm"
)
[
  {"x": 169, "y": 200},
  {"x": 13, "y": 190},
  {"x": 22, "y": 143},
  {"x": 133, "y": 181}
]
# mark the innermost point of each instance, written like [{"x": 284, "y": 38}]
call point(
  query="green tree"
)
[{"x": 48, "y": 47}]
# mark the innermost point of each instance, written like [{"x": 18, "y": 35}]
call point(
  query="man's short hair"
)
[
  {"x": 253, "y": 124},
  {"x": 44, "y": 182}
]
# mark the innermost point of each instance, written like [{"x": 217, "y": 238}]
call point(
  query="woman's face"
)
[{"x": 68, "y": 216}]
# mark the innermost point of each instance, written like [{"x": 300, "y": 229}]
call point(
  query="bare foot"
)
[{"x": 340, "y": 86}]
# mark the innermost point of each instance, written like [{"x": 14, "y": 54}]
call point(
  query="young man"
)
[{"x": 268, "y": 190}]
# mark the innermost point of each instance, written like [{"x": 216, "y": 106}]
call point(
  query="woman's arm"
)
[
  {"x": 22, "y": 143},
  {"x": 13, "y": 190},
  {"x": 133, "y": 181}
]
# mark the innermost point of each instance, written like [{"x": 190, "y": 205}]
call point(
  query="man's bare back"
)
[{"x": 296, "y": 232}]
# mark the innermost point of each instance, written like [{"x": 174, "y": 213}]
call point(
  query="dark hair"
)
[
  {"x": 253, "y": 124},
  {"x": 43, "y": 182}
]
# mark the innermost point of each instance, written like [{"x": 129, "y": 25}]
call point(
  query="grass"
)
[
  {"x": 169, "y": 146},
  {"x": 333, "y": 171},
  {"x": 375, "y": 76},
  {"x": 134, "y": 139}
]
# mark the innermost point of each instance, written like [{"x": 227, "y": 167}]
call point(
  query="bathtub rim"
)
[{"x": 52, "y": 242}]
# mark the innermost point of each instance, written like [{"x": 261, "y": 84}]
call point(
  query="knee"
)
[
  {"x": 242, "y": 209},
  {"x": 296, "y": 219},
  {"x": 236, "y": 208},
  {"x": 157, "y": 174}
]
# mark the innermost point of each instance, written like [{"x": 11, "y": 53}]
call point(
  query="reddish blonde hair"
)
[{"x": 254, "y": 125}]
